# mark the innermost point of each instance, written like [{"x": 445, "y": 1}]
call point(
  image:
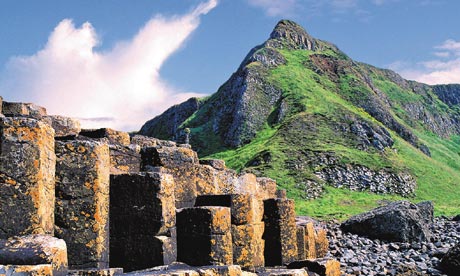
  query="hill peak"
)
[{"x": 289, "y": 34}]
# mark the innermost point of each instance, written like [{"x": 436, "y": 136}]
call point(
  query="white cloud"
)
[
  {"x": 119, "y": 88},
  {"x": 275, "y": 7},
  {"x": 436, "y": 71}
]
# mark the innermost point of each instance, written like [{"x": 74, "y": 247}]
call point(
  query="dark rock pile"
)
[{"x": 359, "y": 255}]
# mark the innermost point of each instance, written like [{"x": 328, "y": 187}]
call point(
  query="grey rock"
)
[{"x": 397, "y": 221}]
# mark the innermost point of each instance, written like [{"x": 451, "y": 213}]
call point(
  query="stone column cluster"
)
[{"x": 100, "y": 199}]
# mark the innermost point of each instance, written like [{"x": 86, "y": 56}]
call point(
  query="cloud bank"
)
[
  {"x": 275, "y": 7},
  {"x": 442, "y": 70},
  {"x": 119, "y": 88}
]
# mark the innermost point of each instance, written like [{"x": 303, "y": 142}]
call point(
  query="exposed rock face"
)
[
  {"x": 27, "y": 169},
  {"x": 35, "y": 250},
  {"x": 450, "y": 263},
  {"x": 288, "y": 34},
  {"x": 449, "y": 93},
  {"x": 82, "y": 201},
  {"x": 398, "y": 221},
  {"x": 168, "y": 124}
]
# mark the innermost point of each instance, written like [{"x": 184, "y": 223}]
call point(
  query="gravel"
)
[{"x": 363, "y": 256}]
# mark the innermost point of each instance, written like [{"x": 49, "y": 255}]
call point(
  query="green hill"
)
[{"x": 339, "y": 135}]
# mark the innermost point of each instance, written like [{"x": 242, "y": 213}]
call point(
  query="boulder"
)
[
  {"x": 450, "y": 263},
  {"x": 399, "y": 221},
  {"x": 34, "y": 250}
]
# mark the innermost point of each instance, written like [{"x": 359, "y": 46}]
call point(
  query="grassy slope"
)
[{"x": 436, "y": 177}]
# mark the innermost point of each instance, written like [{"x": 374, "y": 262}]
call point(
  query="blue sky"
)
[{"x": 118, "y": 63}]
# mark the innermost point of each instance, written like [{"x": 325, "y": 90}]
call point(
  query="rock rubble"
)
[{"x": 364, "y": 256}]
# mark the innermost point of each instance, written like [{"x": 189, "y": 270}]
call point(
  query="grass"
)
[{"x": 317, "y": 106}]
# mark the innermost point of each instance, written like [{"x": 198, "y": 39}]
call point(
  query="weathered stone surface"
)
[
  {"x": 220, "y": 270},
  {"x": 96, "y": 272},
  {"x": 11, "y": 109},
  {"x": 215, "y": 163},
  {"x": 63, "y": 126},
  {"x": 300, "y": 233},
  {"x": 280, "y": 232},
  {"x": 181, "y": 269},
  {"x": 246, "y": 184},
  {"x": 266, "y": 188},
  {"x": 398, "y": 221},
  {"x": 281, "y": 193},
  {"x": 190, "y": 178},
  {"x": 142, "y": 220},
  {"x": 27, "y": 270},
  {"x": 310, "y": 241},
  {"x": 82, "y": 201},
  {"x": 283, "y": 272},
  {"x": 248, "y": 245},
  {"x": 244, "y": 208},
  {"x": 169, "y": 157},
  {"x": 323, "y": 267},
  {"x": 450, "y": 263},
  {"x": 125, "y": 159},
  {"x": 34, "y": 250},
  {"x": 114, "y": 136},
  {"x": 27, "y": 170},
  {"x": 144, "y": 141},
  {"x": 322, "y": 243},
  {"x": 205, "y": 231}
]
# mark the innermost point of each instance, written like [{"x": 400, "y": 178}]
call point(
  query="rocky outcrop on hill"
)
[
  {"x": 398, "y": 221},
  {"x": 169, "y": 124},
  {"x": 111, "y": 200},
  {"x": 341, "y": 105}
]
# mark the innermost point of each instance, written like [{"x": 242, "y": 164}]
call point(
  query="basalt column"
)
[
  {"x": 142, "y": 220},
  {"x": 27, "y": 167},
  {"x": 82, "y": 202}
]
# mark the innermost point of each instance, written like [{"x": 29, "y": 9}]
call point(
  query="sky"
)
[{"x": 119, "y": 63}]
